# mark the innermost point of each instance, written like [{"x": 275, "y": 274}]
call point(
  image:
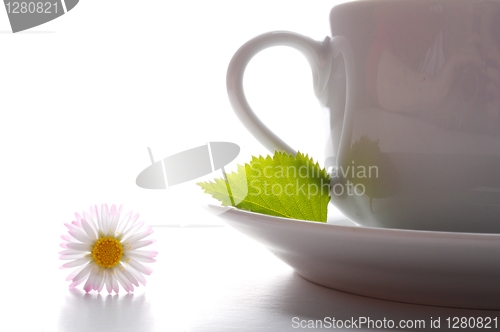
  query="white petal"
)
[
  {"x": 118, "y": 215},
  {"x": 78, "y": 246},
  {"x": 109, "y": 280},
  {"x": 139, "y": 267},
  {"x": 133, "y": 229},
  {"x": 65, "y": 237},
  {"x": 88, "y": 230},
  {"x": 99, "y": 280},
  {"x": 80, "y": 236},
  {"x": 68, "y": 257},
  {"x": 138, "y": 275},
  {"x": 74, "y": 273},
  {"x": 131, "y": 223},
  {"x": 123, "y": 223},
  {"x": 126, "y": 284},
  {"x": 83, "y": 273},
  {"x": 116, "y": 287},
  {"x": 139, "y": 244},
  {"x": 120, "y": 282},
  {"x": 90, "y": 281},
  {"x": 90, "y": 221},
  {"x": 142, "y": 253},
  {"x": 76, "y": 283},
  {"x": 72, "y": 227},
  {"x": 104, "y": 218},
  {"x": 114, "y": 217},
  {"x": 136, "y": 237},
  {"x": 70, "y": 252},
  {"x": 95, "y": 216},
  {"x": 146, "y": 257},
  {"x": 77, "y": 262},
  {"x": 129, "y": 276}
]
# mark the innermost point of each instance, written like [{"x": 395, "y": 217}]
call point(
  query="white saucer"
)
[{"x": 434, "y": 268}]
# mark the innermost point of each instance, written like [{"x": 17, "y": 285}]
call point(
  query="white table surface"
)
[{"x": 207, "y": 278}]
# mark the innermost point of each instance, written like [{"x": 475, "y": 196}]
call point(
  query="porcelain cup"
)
[{"x": 412, "y": 94}]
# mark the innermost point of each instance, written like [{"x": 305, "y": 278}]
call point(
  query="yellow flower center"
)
[{"x": 107, "y": 252}]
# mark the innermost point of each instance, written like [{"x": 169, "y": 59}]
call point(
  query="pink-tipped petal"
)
[
  {"x": 147, "y": 253},
  {"x": 80, "y": 236},
  {"x": 132, "y": 230},
  {"x": 66, "y": 237},
  {"x": 105, "y": 218},
  {"x": 70, "y": 226},
  {"x": 136, "y": 237},
  {"x": 116, "y": 287},
  {"x": 144, "y": 256},
  {"x": 122, "y": 224},
  {"x": 86, "y": 225},
  {"x": 99, "y": 280},
  {"x": 145, "y": 259},
  {"x": 139, "y": 276},
  {"x": 70, "y": 252},
  {"x": 91, "y": 229},
  {"x": 68, "y": 257},
  {"x": 131, "y": 223},
  {"x": 94, "y": 212},
  {"x": 83, "y": 273},
  {"x": 108, "y": 280},
  {"x": 76, "y": 283},
  {"x": 78, "y": 246},
  {"x": 139, "y": 267},
  {"x": 129, "y": 276},
  {"x": 74, "y": 273},
  {"x": 139, "y": 244},
  {"x": 90, "y": 281},
  {"x": 113, "y": 222},
  {"x": 78, "y": 217},
  {"x": 126, "y": 284},
  {"x": 121, "y": 283},
  {"x": 77, "y": 262}
]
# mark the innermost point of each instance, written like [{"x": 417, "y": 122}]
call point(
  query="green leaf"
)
[{"x": 282, "y": 185}]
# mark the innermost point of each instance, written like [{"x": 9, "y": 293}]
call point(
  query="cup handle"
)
[{"x": 319, "y": 56}]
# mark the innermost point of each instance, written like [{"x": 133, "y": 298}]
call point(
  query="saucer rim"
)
[{"x": 360, "y": 228}]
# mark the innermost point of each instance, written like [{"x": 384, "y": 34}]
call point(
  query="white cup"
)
[{"x": 414, "y": 110}]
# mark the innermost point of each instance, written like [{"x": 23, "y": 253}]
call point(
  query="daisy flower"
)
[{"x": 103, "y": 248}]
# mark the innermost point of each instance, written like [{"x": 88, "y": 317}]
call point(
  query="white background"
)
[{"x": 83, "y": 96}]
